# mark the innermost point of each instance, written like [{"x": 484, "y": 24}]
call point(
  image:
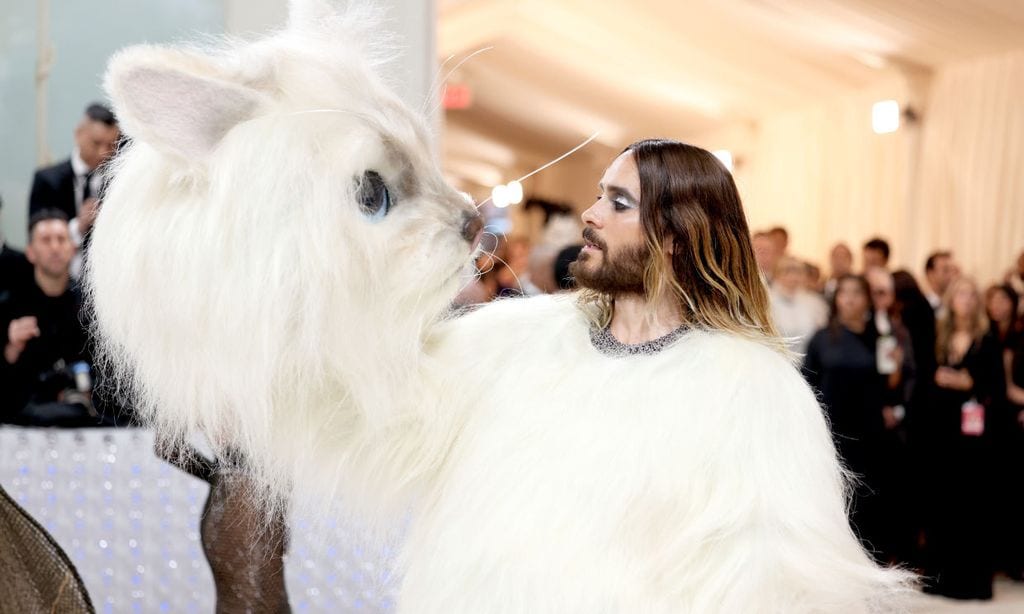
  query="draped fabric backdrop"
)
[
  {"x": 971, "y": 180},
  {"x": 953, "y": 179}
]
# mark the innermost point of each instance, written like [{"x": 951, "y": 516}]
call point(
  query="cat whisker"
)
[
  {"x": 548, "y": 165},
  {"x": 437, "y": 103}
]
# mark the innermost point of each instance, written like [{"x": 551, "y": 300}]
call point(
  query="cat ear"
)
[{"x": 175, "y": 100}]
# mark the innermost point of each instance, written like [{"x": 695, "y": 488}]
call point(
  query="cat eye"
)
[{"x": 374, "y": 197}]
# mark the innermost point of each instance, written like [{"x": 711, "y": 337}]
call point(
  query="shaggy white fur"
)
[
  {"x": 242, "y": 292},
  {"x": 699, "y": 479},
  {"x": 239, "y": 289}
]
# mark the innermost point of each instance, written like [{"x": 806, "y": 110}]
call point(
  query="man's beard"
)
[{"x": 618, "y": 275}]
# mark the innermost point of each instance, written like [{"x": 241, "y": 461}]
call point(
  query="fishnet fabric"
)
[
  {"x": 244, "y": 550},
  {"x": 35, "y": 574}
]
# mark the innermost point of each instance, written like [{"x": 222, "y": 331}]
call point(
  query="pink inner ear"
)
[{"x": 180, "y": 113}]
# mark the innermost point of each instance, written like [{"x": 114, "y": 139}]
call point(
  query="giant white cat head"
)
[{"x": 277, "y": 213}]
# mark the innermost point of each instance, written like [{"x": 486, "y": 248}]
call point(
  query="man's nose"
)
[{"x": 590, "y": 218}]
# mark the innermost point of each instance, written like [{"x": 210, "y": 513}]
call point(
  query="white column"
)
[{"x": 415, "y": 22}]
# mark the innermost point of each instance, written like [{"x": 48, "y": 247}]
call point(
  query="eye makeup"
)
[{"x": 621, "y": 199}]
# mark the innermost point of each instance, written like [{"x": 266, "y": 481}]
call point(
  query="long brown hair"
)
[
  {"x": 946, "y": 324},
  {"x": 690, "y": 208}
]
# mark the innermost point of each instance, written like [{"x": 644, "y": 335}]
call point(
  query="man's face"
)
[
  {"x": 95, "y": 141},
  {"x": 780, "y": 240},
  {"x": 50, "y": 248},
  {"x": 766, "y": 253},
  {"x": 841, "y": 260},
  {"x": 614, "y": 255},
  {"x": 873, "y": 258},
  {"x": 791, "y": 276},
  {"x": 883, "y": 293},
  {"x": 942, "y": 275}
]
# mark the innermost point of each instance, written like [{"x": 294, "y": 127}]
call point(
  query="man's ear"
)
[{"x": 175, "y": 101}]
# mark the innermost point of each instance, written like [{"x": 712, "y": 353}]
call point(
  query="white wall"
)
[{"x": 83, "y": 35}]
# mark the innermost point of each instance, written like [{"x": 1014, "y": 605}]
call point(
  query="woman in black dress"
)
[
  {"x": 962, "y": 421},
  {"x": 841, "y": 363},
  {"x": 1001, "y": 302}
]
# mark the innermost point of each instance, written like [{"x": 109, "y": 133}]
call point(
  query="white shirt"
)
[
  {"x": 81, "y": 170},
  {"x": 798, "y": 317}
]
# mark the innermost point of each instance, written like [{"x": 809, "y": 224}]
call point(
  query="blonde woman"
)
[{"x": 961, "y": 418}]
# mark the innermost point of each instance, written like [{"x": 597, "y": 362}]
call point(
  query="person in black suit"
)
[
  {"x": 43, "y": 336},
  {"x": 73, "y": 186},
  {"x": 15, "y": 269}
]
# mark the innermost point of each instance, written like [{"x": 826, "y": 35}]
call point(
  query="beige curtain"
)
[
  {"x": 954, "y": 179},
  {"x": 827, "y": 177},
  {"x": 971, "y": 179}
]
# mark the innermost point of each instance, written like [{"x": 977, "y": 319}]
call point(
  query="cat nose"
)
[{"x": 472, "y": 228}]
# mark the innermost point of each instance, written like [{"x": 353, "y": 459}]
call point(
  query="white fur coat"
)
[{"x": 699, "y": 479}]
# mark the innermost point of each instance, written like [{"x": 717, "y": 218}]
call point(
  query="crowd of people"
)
[
  {"x": 47, "y": 372},
  {"x": 921, "y": 385}
]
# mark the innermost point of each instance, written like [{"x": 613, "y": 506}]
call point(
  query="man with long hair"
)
[
  {"x": 646, "y": 444},
  {"x": 683, "y": 258}
]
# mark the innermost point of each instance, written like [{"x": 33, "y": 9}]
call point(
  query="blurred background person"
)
[
  {"x": 766, "y": 252},
  {"x": 840, "y": 264},
  {"x": 875, "y": 254},
  {"x": 74, "y": 185},
  {"x": 939, "y": 271},
  {"x": 1015, "y": 278},
  {"x": 894, "y": 357},
  {"x": 962, "y": 420},
  {"x": 841, "y": 363},
  {"x": 918, "y": 318},
  {"x": 495, "y": 278},
  {"x": 797, "y": 313},
  {"x": 812, "y": 280},
  {"x": 563, "y": 277},
  {"x": 540, "y": 269},
  {"x": 1012, "y": 558},
  {"x": 44, "y": 339},
  {"x": 780, "y": 237},
  {"x": 15, "y": 269},
  {"x": 1001, "y": 302}
]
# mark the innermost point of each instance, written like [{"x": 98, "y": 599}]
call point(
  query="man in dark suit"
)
[
  {"x": 15, "y": 269},
  {"x": 73, "y": 186}
]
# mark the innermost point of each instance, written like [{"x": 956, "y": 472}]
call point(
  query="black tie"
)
[{"x": 87, "y": 187}]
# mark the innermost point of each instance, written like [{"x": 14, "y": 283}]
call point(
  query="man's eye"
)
[
  {"x": 621, "y": 205},
  {"x": 374, "y": 197}
]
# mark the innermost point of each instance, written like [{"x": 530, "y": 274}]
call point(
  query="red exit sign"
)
[{"x": 457, "y": 96}]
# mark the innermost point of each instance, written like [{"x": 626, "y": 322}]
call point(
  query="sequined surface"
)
[
  {"x": 606, "y": 343},
  {"x": 130, "y": 523}
]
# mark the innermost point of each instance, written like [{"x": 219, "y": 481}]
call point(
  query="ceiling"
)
[{"x": 559, "y": 70}]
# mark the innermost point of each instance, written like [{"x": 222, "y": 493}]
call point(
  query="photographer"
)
[{"x": 44, "y": 373}]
